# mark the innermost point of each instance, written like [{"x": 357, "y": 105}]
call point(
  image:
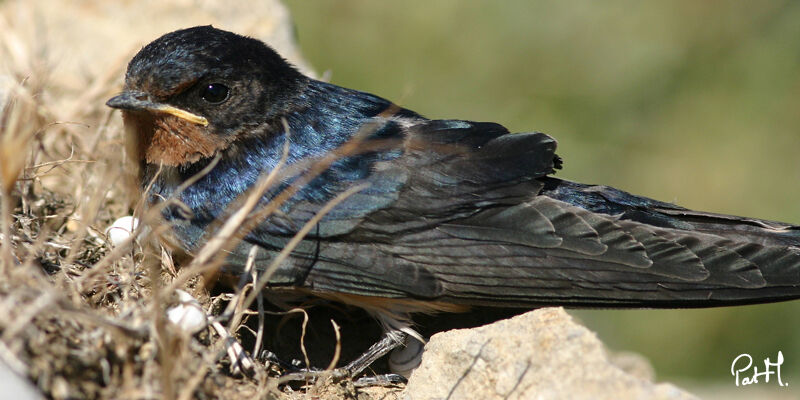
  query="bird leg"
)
[{"x": 390, "y": 340}]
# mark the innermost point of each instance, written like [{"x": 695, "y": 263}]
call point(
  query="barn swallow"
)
[{"x": 448, "y": 213}]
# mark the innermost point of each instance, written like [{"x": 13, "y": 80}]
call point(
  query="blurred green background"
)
[{"x": 691, "y": 102}]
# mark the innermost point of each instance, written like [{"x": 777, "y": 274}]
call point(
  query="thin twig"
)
[
  {"x": 235, "y": 304},
  {"x": 299, "y": 236},
  {"x": 44, "y": 300},
  {"x": 303, "y": 338},
  {"x": 240, "y": 361},
  {"x": 261, "y": 317},
  {"x": 338, "y": 350},
  {"x": 231, "y": 225},
  {"x": 5, "y": 227}
]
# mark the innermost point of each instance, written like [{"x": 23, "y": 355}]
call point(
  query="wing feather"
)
[{"x": 468, "y": 215}]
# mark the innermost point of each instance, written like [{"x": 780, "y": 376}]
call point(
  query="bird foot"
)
[
  {"x": 389, "y": 341},
  {"x": 339, "y": 374}
]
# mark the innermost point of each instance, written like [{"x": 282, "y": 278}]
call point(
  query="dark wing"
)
[{"x": 474, "y": 219}]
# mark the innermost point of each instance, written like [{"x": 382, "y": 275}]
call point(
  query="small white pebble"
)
[
  {"x": 189, "y": 315},
  {"x": 121, "y": 229},
  {"x": 404, "y": 360}
]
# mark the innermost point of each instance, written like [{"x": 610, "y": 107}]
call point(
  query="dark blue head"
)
[{"x": 203, "y": 86}]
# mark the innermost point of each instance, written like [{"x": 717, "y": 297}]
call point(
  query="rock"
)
[
  {"x": 542, "y": 354},
  {"x": 15, "y": 386}
]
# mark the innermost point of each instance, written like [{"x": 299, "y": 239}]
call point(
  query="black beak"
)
[
  {"x": 140, "y": 101},
  {"x": 131, "y": 100}
]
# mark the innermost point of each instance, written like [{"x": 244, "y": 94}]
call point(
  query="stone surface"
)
[
  {"x": 542, "y": 354},
  {"x": 15, "y": 386}
]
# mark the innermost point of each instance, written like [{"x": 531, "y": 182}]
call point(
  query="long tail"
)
[{"x": 706, "y": 259}]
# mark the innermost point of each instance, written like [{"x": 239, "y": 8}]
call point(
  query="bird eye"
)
[{"x": 214, "y": 93}]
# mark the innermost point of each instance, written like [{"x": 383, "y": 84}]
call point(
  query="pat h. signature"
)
[{"x": 741, "y": 365}]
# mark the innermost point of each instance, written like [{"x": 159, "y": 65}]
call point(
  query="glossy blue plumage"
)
[{"x": 326, "y": 117}]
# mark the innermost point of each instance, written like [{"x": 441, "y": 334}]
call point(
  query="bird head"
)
[{"x": 191, "y": 93}]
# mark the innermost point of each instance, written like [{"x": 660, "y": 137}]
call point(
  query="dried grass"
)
[{"x": 79, "y": 317}]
